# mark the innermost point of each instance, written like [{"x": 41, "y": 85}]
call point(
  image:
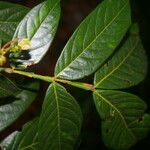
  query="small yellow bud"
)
[
  {"x": 2, "y": 52},
  {"x": 15, "y": 48},
  {"x": 24, "y": 44},
  {"x": 2, "y": 60}
]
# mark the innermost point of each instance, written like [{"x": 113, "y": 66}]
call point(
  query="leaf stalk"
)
[{"x": 81, "y": 85}]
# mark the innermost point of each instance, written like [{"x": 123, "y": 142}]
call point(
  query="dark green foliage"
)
[
  {"x": 10, "y": 16},
  {"x": 103, "y": 45}
]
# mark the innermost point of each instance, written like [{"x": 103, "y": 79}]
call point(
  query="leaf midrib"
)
[
  {"x": 7, "y": 91},
  {"x": 58, "y": 114},
  {"x": 29, "y": 146},
  {"x": 94, "y": 39},
  {"x": 118, "y": 66},
  {"x": 44, "y": 18},
  {"x": 116, "y": 109}
]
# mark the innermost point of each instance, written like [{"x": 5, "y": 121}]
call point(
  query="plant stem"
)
[
  {"x": 28, "y": 74},
  {"x": 85, "y": 86},
  {"x": 7, "y": 45}
]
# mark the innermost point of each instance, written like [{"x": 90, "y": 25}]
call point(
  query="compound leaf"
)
[{"x": 94, "y": 40}]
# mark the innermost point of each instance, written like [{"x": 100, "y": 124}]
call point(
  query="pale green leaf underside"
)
[
  {"x": 60, "y": 120},
  {"x": 126, "y": 68},
  {"x": 24, "y": 140},
  {"x": 7, "y": 143},
  {"x": 10, "y": 112},
  {"x": 10, "y": 16},
  {"x": 94, "y": 40},
  {"x": 120, "y": 113},
  {"x": 39, "y": 26},
  {"x": 7, "y": 87}
]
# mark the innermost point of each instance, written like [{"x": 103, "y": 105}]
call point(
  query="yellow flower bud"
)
[
  {"x": 15, "y": 48},
  {"x": 24, "y": 44},
  {"x": 2, "y": 60}
]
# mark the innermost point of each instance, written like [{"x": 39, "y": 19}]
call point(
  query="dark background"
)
[{"x": 73, "y": 12}]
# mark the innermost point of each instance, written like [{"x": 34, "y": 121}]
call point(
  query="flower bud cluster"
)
[{"x": 14, "y": 47}]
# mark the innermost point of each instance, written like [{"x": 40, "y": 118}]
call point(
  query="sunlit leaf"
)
[
  {"x": 7, "y": 143},
  {"x": 39, "y": 26},
  {"x": 94, "y": 40}
]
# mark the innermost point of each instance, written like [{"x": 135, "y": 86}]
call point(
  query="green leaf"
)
[
  {"x": 39, "y": 26},
  {"x": 120, "y": 113},
  {"x": 60, "y": 120},
  {"x": 141, "y": 126},
  {"x": 7, "y": 143},
  {"x": 10, "y": 112},
  {"x": 94, "y": 40},
  {"x": 24, "y": 140},
  {"x": 7, "y": 87},
  {"x": 126, "y": 68},
  {"x": 10, "y": 16}
]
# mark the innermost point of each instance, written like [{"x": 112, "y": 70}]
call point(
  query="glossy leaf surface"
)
[
  {"x": 24, "y": 140},
  {"x": 121, "y": 114},
  {"x": 10, "y": 112},
  {"x": 7, "y": 87},
  {"x": 7, "y": 143},
  {"x": 39, "y": 26},
  {"x": 60, "y": 120},
  {"x": 94, "y": 40},
  {"x": 126, "y": 68},
  {"x": 10, "y": 16}
]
